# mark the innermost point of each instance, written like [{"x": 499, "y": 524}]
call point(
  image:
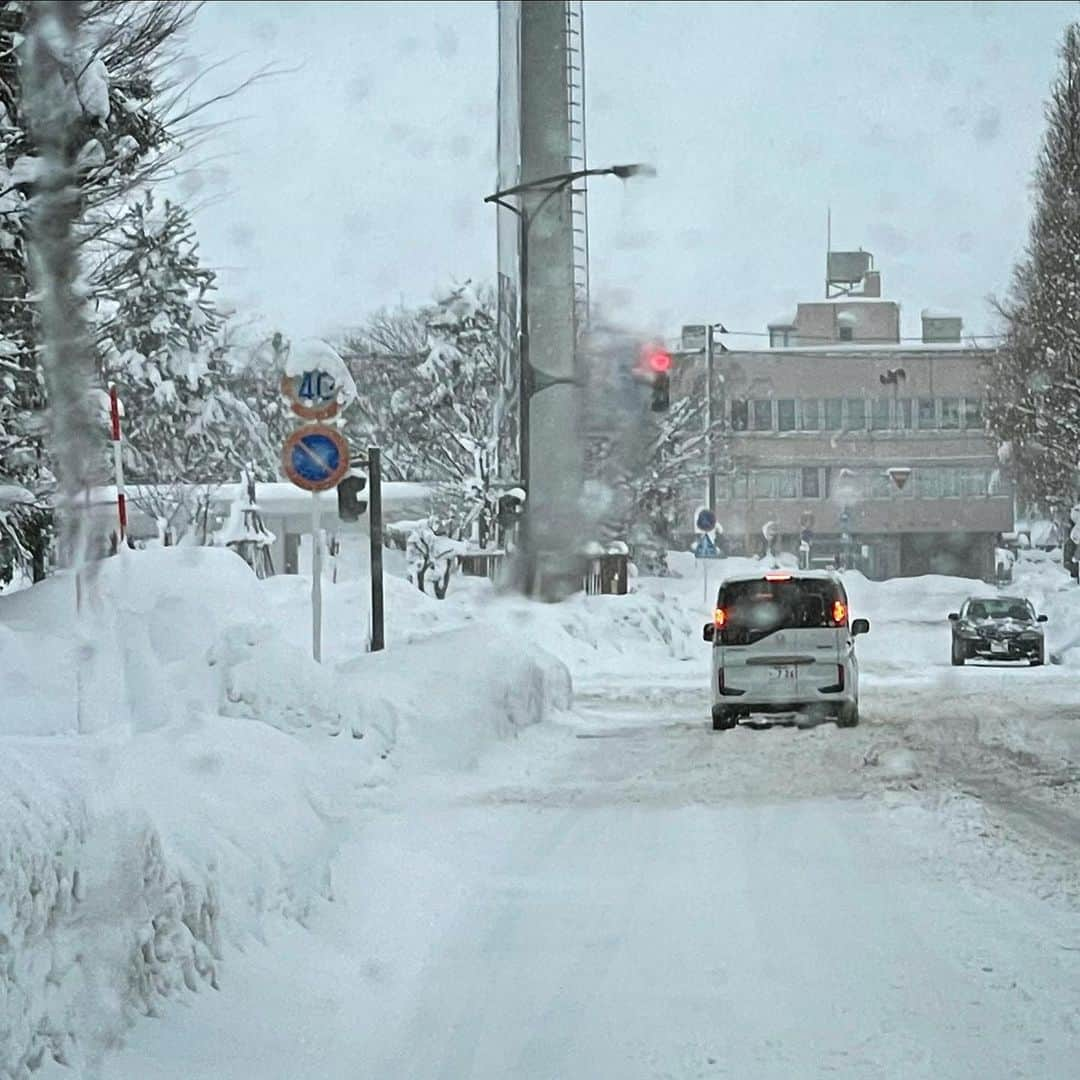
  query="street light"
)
[{"x": 528, "y": 383}]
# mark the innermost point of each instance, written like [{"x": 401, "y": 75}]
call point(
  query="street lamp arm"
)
[
  {"x": 505, "y": 205},
  {"x": 562, "y": 179}
]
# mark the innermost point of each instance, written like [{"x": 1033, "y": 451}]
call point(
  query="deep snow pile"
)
[{"x": 170, "y": 778}]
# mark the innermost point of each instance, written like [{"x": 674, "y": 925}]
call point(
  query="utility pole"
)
[
  {"x": 711, "y": 347},
  {"x": 710, "y": 458}
]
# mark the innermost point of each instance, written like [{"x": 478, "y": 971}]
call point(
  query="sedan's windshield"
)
[{"x": 1000, "y": 609}]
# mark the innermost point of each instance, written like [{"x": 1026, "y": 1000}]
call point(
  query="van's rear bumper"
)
[{"x": 747, "y": 704}]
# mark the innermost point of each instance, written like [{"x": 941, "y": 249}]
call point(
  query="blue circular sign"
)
[
  {"x": 315, "y": 458},
  {"x": 706, "y": 521}
]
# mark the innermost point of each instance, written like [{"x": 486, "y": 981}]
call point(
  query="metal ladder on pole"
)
[{"x": 577, "y": 159}]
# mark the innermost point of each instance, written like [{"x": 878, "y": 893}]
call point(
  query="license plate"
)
[
  {"x": 783, "y": 673},
  {"x": 999, "y": 647}
]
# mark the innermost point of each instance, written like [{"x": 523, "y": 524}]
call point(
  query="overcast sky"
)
[{"x": 357, "y": 180}]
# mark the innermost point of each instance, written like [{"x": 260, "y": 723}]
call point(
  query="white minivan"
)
[{"x": 783, "y": 642}]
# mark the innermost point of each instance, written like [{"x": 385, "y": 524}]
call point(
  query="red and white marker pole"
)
[{"x": 118, "y": 464}]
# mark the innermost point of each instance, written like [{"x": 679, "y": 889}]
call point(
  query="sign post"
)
[
  {"x": 705, "y": 548},
  {"x": 375, "y": 524},
  {"x": 316, "y": 580},
  {"x": 118, "y": 464},
  {"x": 315, "y": 458}
]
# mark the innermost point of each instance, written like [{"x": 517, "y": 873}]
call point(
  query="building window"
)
[
  {"x": 951, "y": 483},
  {"x": 950, "y": 412},
  {"x": 775, "y": 483},
  {"x": 811, "y": 483},
  {"x": 973, "y": 413},
  {"x": 740, "y": 414},
  {"x": 856, "y": 414},
  {"x": 974, "y": 482},
  {"x": 881, "y": 485},
  {"x": 785, "y": 414},
  {"x": 846, "y": 333},
  {"x": 903, "y": 413},
  {"x": 779, "y": 339},
  {"x": 834, "y": 414},
  {"x": 810, "y": 419},
  {"x": 879, "y": 414},
  {"x": 763, "y": 484},
  {"x": 927, "y": 414},
  {"x": 762, "y": 414},
  {"x": 929, "y": 483}
]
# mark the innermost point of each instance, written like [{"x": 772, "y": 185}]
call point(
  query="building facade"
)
[{"x": 874, "y": 451}]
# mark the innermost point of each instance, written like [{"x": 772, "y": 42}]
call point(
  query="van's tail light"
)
[
  {"x": 839, "y": 613},
  {"x": 719, "y": 618}
]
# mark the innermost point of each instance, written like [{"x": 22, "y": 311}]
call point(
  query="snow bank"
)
[
  {"x": 175, "y": 769},
  {"x": 458, "y": 692}
]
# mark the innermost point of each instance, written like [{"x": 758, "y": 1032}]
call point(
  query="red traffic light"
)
[{"x": 658, "y": 360}]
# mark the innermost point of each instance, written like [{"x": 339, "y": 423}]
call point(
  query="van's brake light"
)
[{"x": 777, "y": 577}]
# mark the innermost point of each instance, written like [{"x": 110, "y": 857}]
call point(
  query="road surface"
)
[{"x": 628, "y": 895}]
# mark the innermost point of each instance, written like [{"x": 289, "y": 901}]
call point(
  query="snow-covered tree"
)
[
  {"x": 157, "y": 340},
  {"x": 381, "y": 354},
  {"x": 638, "y": 479},
  {"x": 427, "y": 386},
  {"x": 127, "y": 118},
  {"x": 1034, "y": 390}
]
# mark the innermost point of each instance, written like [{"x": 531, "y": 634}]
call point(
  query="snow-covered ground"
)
[{"x": 422, "y": 864}]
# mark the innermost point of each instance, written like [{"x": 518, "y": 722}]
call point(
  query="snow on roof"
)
[
  {"x": 938, "y": 313},
  {"x": 846, "y": 318},
  {"x": 882, "y": 346},
  {"x": 783, "y": 322},
  {"x": 279, "y": 497}
]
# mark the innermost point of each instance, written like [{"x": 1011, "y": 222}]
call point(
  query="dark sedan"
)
[{"x": 998, "y": 628}]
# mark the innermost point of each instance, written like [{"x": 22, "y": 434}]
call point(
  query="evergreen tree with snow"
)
[
  {"x": 185, "y": 430},
  {"x": 127, "y": 122},
  {"x": 1034, "y": 390},
  {"x": 431, "y": 404}
]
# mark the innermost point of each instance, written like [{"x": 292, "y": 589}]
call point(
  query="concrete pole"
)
[{"x": 555, "y": 448}]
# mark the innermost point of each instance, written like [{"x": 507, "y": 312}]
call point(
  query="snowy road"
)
[{"x": 628, "y": 895}]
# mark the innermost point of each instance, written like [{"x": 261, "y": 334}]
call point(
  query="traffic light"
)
[
  {"x": 661, "y": 392},
  {"x": 350, "y": 501},
  {"x": 658, "y": 366}
]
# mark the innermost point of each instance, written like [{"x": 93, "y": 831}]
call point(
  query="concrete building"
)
[{"x": 874, "y": 445}]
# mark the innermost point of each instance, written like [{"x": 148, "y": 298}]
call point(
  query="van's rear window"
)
[{"x": 754, "y": 609}]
